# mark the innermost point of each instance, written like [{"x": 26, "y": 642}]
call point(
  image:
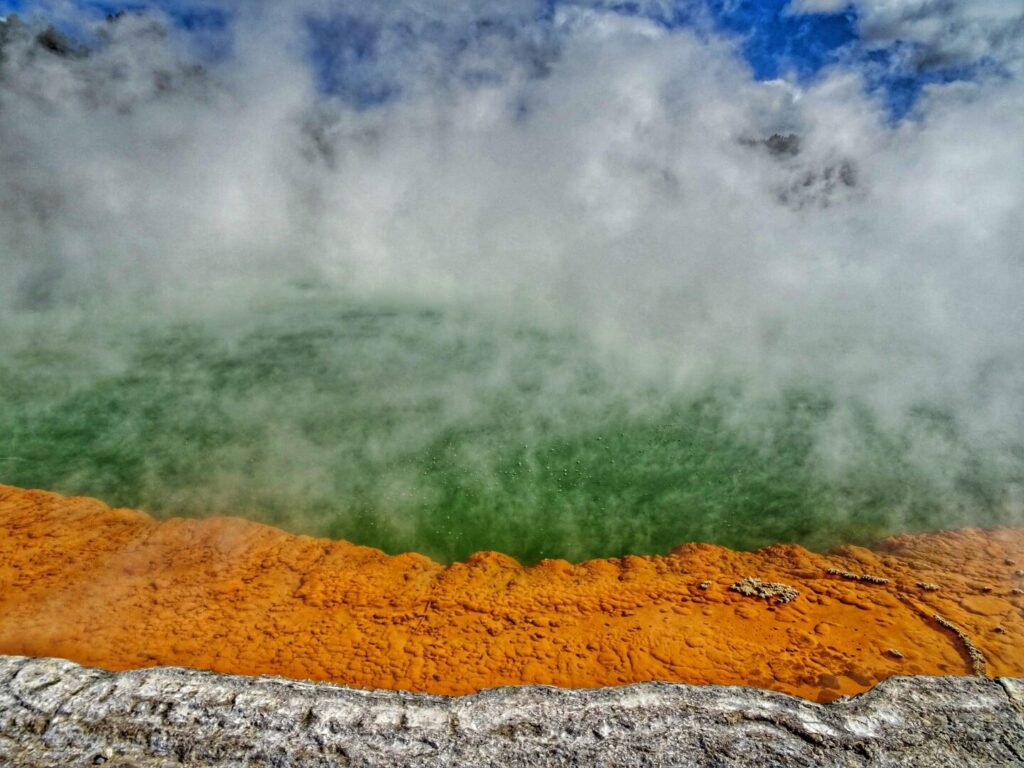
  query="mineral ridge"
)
[{"x": 116, "y": 589}]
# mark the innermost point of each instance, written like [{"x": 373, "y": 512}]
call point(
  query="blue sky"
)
[{"x": 774, "y": 42}]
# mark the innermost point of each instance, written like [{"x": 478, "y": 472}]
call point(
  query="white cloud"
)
[
  {"x": 818, "y": 6},
  {"x": 948, "y": 32}
]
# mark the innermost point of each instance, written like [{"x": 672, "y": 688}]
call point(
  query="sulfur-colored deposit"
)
[{"x": 116, "y": 589}]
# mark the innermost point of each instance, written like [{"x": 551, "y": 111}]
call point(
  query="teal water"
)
[{"x": 448, "y": 431}]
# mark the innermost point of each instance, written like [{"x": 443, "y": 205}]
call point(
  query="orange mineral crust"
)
[{"x": 116, "y": 589}]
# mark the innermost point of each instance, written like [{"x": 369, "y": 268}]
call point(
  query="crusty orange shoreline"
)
[{"x": 117, "y": 589}]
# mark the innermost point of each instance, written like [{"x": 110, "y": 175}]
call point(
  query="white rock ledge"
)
[{"x": 56, "y": 713}]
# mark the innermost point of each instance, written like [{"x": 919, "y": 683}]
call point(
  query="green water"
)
[{"x": 446, "y": 432}]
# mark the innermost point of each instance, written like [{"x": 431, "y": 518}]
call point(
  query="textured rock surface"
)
[
  {"x": 116, "y": 589},
  {"x": 54, "y": 713}
]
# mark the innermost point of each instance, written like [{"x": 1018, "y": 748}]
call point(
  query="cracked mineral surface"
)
[
  {"x": 114, "y": 588},
  {"x": 55, "y": 713}
]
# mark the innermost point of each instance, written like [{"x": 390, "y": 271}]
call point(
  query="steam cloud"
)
[{"x": 580, "y": 167}]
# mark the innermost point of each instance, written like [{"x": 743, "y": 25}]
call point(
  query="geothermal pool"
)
[
  {"x": 439, "y": 347},
  {"x": 447, "y": 429}
]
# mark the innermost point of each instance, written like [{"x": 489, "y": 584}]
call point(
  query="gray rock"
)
[{"x": 55, "y": 713}]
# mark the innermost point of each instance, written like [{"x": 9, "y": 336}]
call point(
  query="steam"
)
[{"x": 601, "y": 177}]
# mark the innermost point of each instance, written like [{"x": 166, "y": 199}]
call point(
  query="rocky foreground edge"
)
[{"x": 56, "y": 713}]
